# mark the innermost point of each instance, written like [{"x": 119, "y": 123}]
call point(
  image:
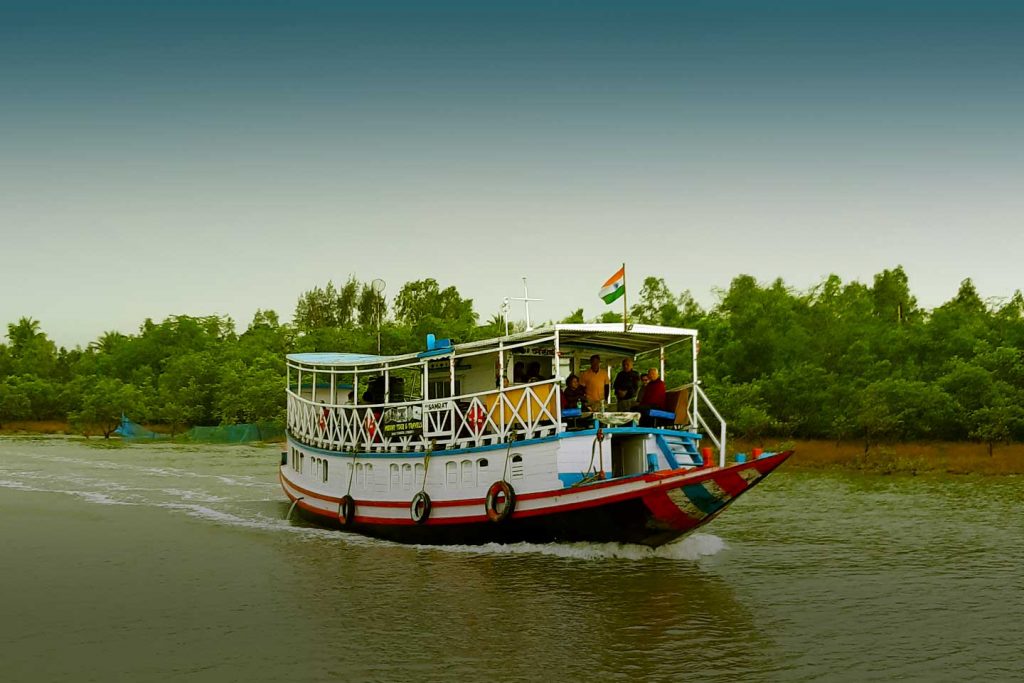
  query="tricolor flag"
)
[{"x": 614, "y": 287}]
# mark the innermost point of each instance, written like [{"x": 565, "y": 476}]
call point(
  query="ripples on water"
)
[{"x": 810, "y": 576}]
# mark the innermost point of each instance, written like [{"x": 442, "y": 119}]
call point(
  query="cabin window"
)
[
  {"x": 468, "y": 478},
  {"x": 481, "y": 472},
  {"x": 325, "y": 470},
  {"x": 396, "y": 480},
  {"x": 418, "y": 473},
  {"x": 442, "y": 388},
  {"x": 302, "y": 459},
  {"x": 517, "y": 467},
  {"x": 451, "y": 474},
  {"x": 360, "y": 475},
  {"x": 369, "y": 476},
  {"x": 407, "y": 477}
]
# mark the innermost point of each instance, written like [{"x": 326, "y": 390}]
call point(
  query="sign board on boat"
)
[{"x": 402, "y": 421}]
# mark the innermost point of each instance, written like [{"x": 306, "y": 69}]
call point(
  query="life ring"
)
[
  {"x": 419, "y": 508},
  {"x": 492, "y": 503},
  {"x": 371, "y": 424},
  {"x": 346, "y": 510},
  {"x": 476, "y": 418}
]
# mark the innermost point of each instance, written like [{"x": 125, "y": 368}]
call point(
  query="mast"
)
[
  {"x": 526, "y": 300},
  {"x": 625, "y": 298}
]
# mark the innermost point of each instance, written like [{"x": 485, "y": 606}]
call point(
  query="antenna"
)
[
  {"x": 378, "y": 286},
  {"x": 504, "y": 313},
  {"x": 526, "y": 300}
]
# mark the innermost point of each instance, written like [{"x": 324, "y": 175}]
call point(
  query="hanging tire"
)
[
  {"x": 346, "y": 510},
  {"x": 419, "y": 508},
  {"x": 498, "y": 510}
]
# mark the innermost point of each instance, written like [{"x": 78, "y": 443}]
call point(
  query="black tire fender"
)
[
  {"x": 492, "y": 502},
  {"x": 419, "y": 508},
  {"x": 346, "y": 510}
]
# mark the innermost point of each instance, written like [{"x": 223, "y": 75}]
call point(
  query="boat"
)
[{"x": 450, "y": 446}]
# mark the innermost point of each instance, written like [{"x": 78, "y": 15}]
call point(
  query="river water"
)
[{"x": 151, "y": 563}]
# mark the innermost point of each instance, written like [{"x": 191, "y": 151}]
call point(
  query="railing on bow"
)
[
  {"x": 697, "y": 419},
  {"x": 488, "y": 417}
]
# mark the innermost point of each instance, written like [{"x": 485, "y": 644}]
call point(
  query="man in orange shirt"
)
[{"x": 595, "y": 381}]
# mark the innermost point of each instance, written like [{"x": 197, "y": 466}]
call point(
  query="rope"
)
[
  {"x": 592, "y": 474},
  {"x": 508, "y": 456},
  {"x": 351, "y": 474},
  {"x": 426, "y": 464}
]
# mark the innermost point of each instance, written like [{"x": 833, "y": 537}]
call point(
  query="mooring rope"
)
[
  {"x": 592, "y": 474},
  {"x": 352, "y": 473}
]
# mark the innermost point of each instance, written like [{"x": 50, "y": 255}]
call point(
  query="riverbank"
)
[
  {"x": 950, "y": 457},
  {"x": 224, "y": 434},
  {"x": 33, "y": 427}
]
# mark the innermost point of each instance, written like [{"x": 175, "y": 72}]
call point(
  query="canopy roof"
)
[{"x": 609, "y": 337}]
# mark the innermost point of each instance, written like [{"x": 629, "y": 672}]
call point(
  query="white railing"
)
[
  {"x": 697, "y": 397},
  {"x": 488, "y": 417}
]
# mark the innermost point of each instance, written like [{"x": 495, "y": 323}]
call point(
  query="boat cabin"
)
[{"x": 453, "y": 396}]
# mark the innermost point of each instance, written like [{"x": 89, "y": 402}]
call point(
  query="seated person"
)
[
  {"x": 519, "y": 372},
  {"x": 574, "y": 395},
  {"x": 595, "y": 380},
  {"x": 653, "y": 398},
  {"x": 533, "y": 372}
]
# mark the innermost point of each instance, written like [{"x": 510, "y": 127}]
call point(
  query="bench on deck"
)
[{"x": 677, "y": 403}]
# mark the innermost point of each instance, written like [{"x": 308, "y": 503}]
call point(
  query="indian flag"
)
[{"x": 614, "y": 287}]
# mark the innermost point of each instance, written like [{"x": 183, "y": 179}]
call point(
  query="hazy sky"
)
[{"x": 162, "y": 158}]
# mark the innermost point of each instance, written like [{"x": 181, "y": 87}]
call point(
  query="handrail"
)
[
  {"x": 719, "y": 442},
  {"x": 476, "y": 418}
]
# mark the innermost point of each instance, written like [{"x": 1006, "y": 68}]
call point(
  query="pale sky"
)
[{"x": 199, "y": 158}]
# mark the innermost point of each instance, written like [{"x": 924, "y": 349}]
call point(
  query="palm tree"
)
[
  {"x": 22, "y": 333},
  {"x": 107, "y": 341}
]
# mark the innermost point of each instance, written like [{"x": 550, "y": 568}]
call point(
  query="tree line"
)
[{"x": 841, "y": 360}]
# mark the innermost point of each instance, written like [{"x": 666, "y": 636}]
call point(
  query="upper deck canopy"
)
[{"x": 609, "y": 337}]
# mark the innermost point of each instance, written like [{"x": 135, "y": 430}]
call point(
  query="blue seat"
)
[{"x": 571, "y": 412}]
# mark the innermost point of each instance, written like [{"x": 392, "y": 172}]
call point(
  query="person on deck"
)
[
  {"x": 653, "y": 398},
  {"x": 533, "y": 372},
  {"x": 519, "y": 372},
  {"x": 625, "y": 385},
  {"x": 595, "y": 380},
  {"x": 574, "y": 395}
]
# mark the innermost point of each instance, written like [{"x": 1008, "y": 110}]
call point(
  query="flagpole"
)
[{"x": 625, "y": 299}]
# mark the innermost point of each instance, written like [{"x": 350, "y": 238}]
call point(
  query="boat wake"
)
[
  {"x": 253, "y": 501},
  {"x": 690, "y": 548}
]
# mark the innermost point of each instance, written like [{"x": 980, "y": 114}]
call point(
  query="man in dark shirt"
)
[{"x": 626, "y": 383}]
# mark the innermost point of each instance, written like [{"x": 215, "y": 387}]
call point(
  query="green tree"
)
[
  {"x": 996, "y": 424},
  {"x": 372, "y": 307},
  {"x": 424, "y": 307},
  {"x": 104, "y": 401},
  {"x": 328, "y": 306},
  {"x": 901, "y": 409},
  {"x": 14, "y": 404},
  {"x": 891, "y": 295}
]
